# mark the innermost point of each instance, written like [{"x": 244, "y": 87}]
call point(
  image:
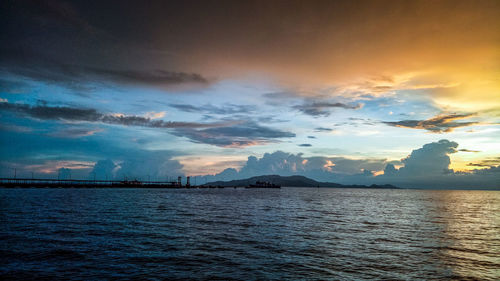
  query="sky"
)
[{"x": 355, "y": 92}]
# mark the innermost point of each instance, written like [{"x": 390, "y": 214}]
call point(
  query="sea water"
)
[{"x": 249, "y": 234}]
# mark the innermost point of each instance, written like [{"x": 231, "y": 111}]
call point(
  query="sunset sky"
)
[{"x": 401, "y": 92}]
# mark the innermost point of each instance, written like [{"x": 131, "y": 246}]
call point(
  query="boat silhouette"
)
[{"x": 263, "y": 184}]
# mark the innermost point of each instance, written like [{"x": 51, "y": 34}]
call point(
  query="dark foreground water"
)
[{"x": 248, "y": 234}]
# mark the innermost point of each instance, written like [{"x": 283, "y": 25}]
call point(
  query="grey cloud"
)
[
  {"x": 271, "y": 119},
  {"x": 14, "y": 128},
  {"x": 75, "y": 75},
  {"x": 432, "y": 158},
  {"x": 104, "y": 169},
  {"x": 50, "y": 41},
  {"x": 360, "y": 121},
  {"x": 53, "y": 13},
  {"x": 323, "y": 108},
  {"x": 305, "y": 145},
  {"x": 437, "y": 124},
  {"x": 491, "y": 170},
  {"x": 323, "y": 129},
  {"x": 53, "y": 113},
  {"x": 311, "y": 137},
  {"x": 211, "y": 109},
  {"x": 13, "y": 86},
  {"x": 240, "y": 135},
  {"x": 489, "y": 162},
  {"x": 281, "y": 95},
  {"x": 158, "y": 77},
  {"x": 64, "y": 173},
  {"x": 44, "y": 112},
  {"x": 74, "y": 132},
  {"x": 468, "y": 150}
]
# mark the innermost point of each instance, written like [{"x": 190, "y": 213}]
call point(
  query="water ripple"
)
[{"x": 236, "y": 234}]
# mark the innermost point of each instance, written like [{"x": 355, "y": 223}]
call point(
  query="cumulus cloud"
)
[
  {"x": 153, "y": 165},
  {"x": 64, "y": 173},
  {"x": 426, "y": 167},
  {"x": 443, "y": 123},
  {"x": 337, "y": 169},
  {"x": 432, "y": 158},
  {"x": 429, "y": 166},
  {"x": 104, "y": 170}
]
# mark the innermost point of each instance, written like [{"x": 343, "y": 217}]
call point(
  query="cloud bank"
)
[
  {"x": 230, "y": 133},
  {"x": 426, "y": 167},
  {"x": 63, "y": 113}
]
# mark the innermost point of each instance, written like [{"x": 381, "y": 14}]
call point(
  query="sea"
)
[{"x": 249, "y": 234}]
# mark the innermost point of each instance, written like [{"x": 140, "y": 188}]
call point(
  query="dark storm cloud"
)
[
  {"x": 12, "y": 86},
  {"x": 158, "y": 77},
  {"x": 323, "y": 108},
  {"x": 212, "y": 109},
  {"x": 51, "y": 12},
  {"x": 283, "y": 37},
  {"x": 35, "y": 66},
  {"x": 305, "y": 145},
  {"x": 52, "y": 41},
  {"x": 243, "y": 134},
  {"x": 438, "y": 124},
  {"x": 44, "y": 112}
]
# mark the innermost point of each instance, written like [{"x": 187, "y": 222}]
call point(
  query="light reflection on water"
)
[{"x": 291, "y": 233}]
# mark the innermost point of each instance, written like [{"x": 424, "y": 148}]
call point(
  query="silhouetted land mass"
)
[
  {"x": 293, "y": 181},
  {"x": 269, "y": 181}
]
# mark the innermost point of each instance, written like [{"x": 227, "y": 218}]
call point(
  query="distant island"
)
[{"x": 292, "y": 181}]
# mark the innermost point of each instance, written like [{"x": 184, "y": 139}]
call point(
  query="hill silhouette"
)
[{"x": 292, "y": 181}]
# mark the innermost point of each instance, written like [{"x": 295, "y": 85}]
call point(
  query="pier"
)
[{"x": 73, "y": 183}]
